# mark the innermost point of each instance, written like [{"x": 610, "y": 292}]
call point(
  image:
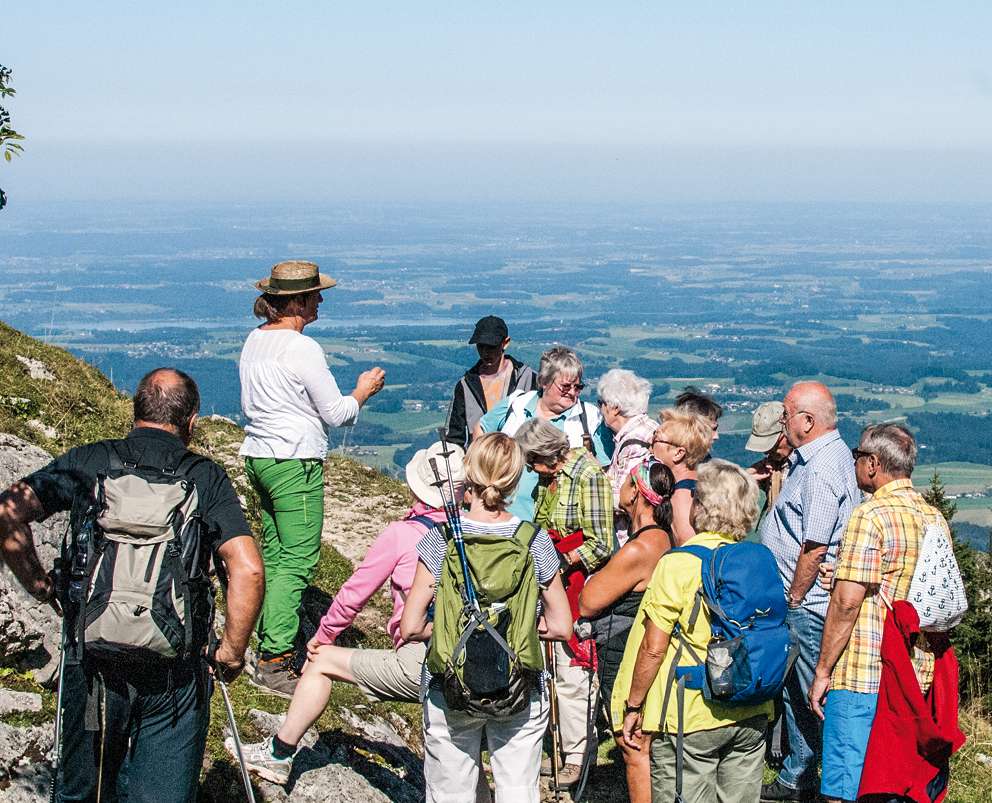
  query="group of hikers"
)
[{"x": 566, "y": 567}]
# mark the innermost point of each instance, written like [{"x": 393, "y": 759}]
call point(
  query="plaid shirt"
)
[
  {"x": 879, "y": 549},
  {"x": 580, "y": 498},
  {"x": 816, "y": 501}
]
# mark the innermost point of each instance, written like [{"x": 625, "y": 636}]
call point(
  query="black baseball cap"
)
[{"x": 489, "y": 331}]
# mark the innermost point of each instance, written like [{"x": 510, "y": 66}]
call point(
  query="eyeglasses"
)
[
  {"x": 662, "y": 440},
  {"x": 784, "y": 418},
  {"x": 569, "y": 388},
  {"x": 857, "y": 454}
]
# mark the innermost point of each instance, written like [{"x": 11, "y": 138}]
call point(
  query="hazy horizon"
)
[{"x": 448, "y": 102}]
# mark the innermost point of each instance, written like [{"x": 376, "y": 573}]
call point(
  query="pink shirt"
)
[{"x": 393, "y": 557}]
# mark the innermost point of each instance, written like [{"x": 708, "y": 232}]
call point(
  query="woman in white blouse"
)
[{"x": 290, "y": 399}]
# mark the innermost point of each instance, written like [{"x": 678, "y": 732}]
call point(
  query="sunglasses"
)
[
  {"x": 662, "y": 440},
  {"x": 569, "y": 387},
  {"x": 857, "y": 454}
]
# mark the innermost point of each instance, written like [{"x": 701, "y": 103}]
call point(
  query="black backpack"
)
[{"x": 135, "y": 568}]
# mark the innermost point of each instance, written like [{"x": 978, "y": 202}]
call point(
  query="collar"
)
[
  {"x": 808, "y": 451},
  {"x": 153, "y": 434},
  {"x": 893, "y": 487},
  {"x": 574, "y": 460},
  {"x": 634, "y": 423},
  {"x": 421, "y": 508},
  {"x": 514, "y": 363}
]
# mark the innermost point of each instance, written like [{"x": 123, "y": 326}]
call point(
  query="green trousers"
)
[
  {"x": 723, "y": 765},
  {"x": 292, "y": 496}
]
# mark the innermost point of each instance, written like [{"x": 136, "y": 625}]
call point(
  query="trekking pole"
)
[
  {"x": 58, "y": 719},
  {"x": 235, "y": 735},
  {"x": 454, "y": 517},
  {"x": 554, "y": 723}
]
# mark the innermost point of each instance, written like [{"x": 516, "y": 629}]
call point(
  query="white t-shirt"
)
[{"x": 289, "y": 396}]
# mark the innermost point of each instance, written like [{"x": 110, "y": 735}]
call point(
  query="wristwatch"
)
[{"x": 632, "y": 709}]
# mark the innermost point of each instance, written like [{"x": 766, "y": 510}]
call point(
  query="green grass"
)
[
  {"x": 22, "y": 681},
  {"x": 80, "y": 404}
]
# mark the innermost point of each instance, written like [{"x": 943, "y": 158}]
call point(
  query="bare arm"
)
[
  {"x": 807, "y": 568},
  {"x": 650, "y": 656},
  {"x": 413, "y": 624},
  {"x": 556, "y": 623},
  {"x": 622, "y": 573},
  {"x": 245, "y": 589},
  {"x": 845, "y": 604},
  {"x": 19, "y": 506},
  {"x": 681, "y": 505}
]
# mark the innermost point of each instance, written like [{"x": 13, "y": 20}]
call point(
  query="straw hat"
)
[
  {"x": 294, "y": 276},
  {"x": 420, "y": 476}
]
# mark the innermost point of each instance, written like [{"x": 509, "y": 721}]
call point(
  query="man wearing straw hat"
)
[{"x": 290, "y": 400}]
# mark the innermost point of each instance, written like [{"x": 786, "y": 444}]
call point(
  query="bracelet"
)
[{"x": 632, "y": 709}]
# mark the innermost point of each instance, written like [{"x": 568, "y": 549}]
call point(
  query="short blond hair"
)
[
  {"x": 690, "y": 431},
  {"x": 493, "y": 465},
  {"x": 726, "y": 499}
]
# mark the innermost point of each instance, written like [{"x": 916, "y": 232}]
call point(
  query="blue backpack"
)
[
  {"x": 750, "y": 653},
  {"x": 748, "y": 657}
]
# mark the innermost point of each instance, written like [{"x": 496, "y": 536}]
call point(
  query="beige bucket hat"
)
[
  {"x": 420, "y": 476},
  {"x": 766, "y": 427},
  {"x": 294, "y": 276}
]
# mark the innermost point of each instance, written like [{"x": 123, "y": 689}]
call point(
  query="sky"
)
[{"x": 556, "y": 101}]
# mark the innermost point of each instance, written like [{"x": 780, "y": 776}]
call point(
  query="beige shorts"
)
[{"x": 390, "y": 674}]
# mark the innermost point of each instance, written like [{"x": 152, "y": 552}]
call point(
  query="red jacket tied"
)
[{"x": 913, "y": 735}]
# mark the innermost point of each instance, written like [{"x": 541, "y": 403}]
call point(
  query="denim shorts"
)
[{"x": 847, "y": 723}]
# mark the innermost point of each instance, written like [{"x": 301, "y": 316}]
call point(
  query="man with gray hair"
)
[
  {"x": 878, "y": 556},
  {"x": 803, "y": 529},
  {"x": 559, "y": 382}
]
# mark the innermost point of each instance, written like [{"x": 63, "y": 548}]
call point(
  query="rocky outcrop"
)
[
  {"x": 25, "y": 769},
  {"x": 29, "y": 631},
  {"x": 337, "y": 767}
]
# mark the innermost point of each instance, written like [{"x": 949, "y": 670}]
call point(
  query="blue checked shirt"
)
[{"x": 814, "y": 505}]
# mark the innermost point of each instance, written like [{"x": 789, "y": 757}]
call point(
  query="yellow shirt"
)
[{"x": 668, "y": 601}]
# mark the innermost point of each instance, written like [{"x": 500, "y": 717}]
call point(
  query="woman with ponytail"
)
[
  {"x": 452, "y": 737},
  {"x": 612, "y": 596}
]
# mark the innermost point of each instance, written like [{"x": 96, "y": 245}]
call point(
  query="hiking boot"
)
[
  {"x": 259, "y": 760},
  {"x": 569, "y": 775},
  {"x": 546, "y": 770},
  {"x": 276, "y": 675},
  {"x": 778, "y": 791}
]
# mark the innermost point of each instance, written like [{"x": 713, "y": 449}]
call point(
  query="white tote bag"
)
[{"x": 937, "y": 588}]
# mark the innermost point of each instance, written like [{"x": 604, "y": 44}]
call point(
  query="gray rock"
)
[
  {"x": 11, "y": 701},
  {"x": 327, "y": 770},
  {"x": 29, "y": 630},
  {"x": 25, "y": 763},
  {"x": 36, "y": 368}
]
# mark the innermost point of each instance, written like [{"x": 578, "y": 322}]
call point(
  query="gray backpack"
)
[{"x": 138, "y": 583}]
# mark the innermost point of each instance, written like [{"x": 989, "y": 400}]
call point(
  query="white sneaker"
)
[{"x": 259, "y": 760}]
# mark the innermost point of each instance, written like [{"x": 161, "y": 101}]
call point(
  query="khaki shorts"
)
[{"x": 390, "y": 674}]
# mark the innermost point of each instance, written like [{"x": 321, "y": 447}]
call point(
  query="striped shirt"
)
[
  {"x": 814, "y": 505},
  {"x": 580, "y": 498},
  {"x": 434, "y": 544},
  {"x": 879, "y": 549}
]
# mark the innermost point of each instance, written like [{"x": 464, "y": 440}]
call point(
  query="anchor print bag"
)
[{"x": 937, "y": 589}]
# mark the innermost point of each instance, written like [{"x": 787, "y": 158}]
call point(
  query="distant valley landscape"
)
[{"x": 889, "y": 304}]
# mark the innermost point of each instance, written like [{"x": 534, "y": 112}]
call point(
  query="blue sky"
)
[{"x": 557, "y": 101}]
